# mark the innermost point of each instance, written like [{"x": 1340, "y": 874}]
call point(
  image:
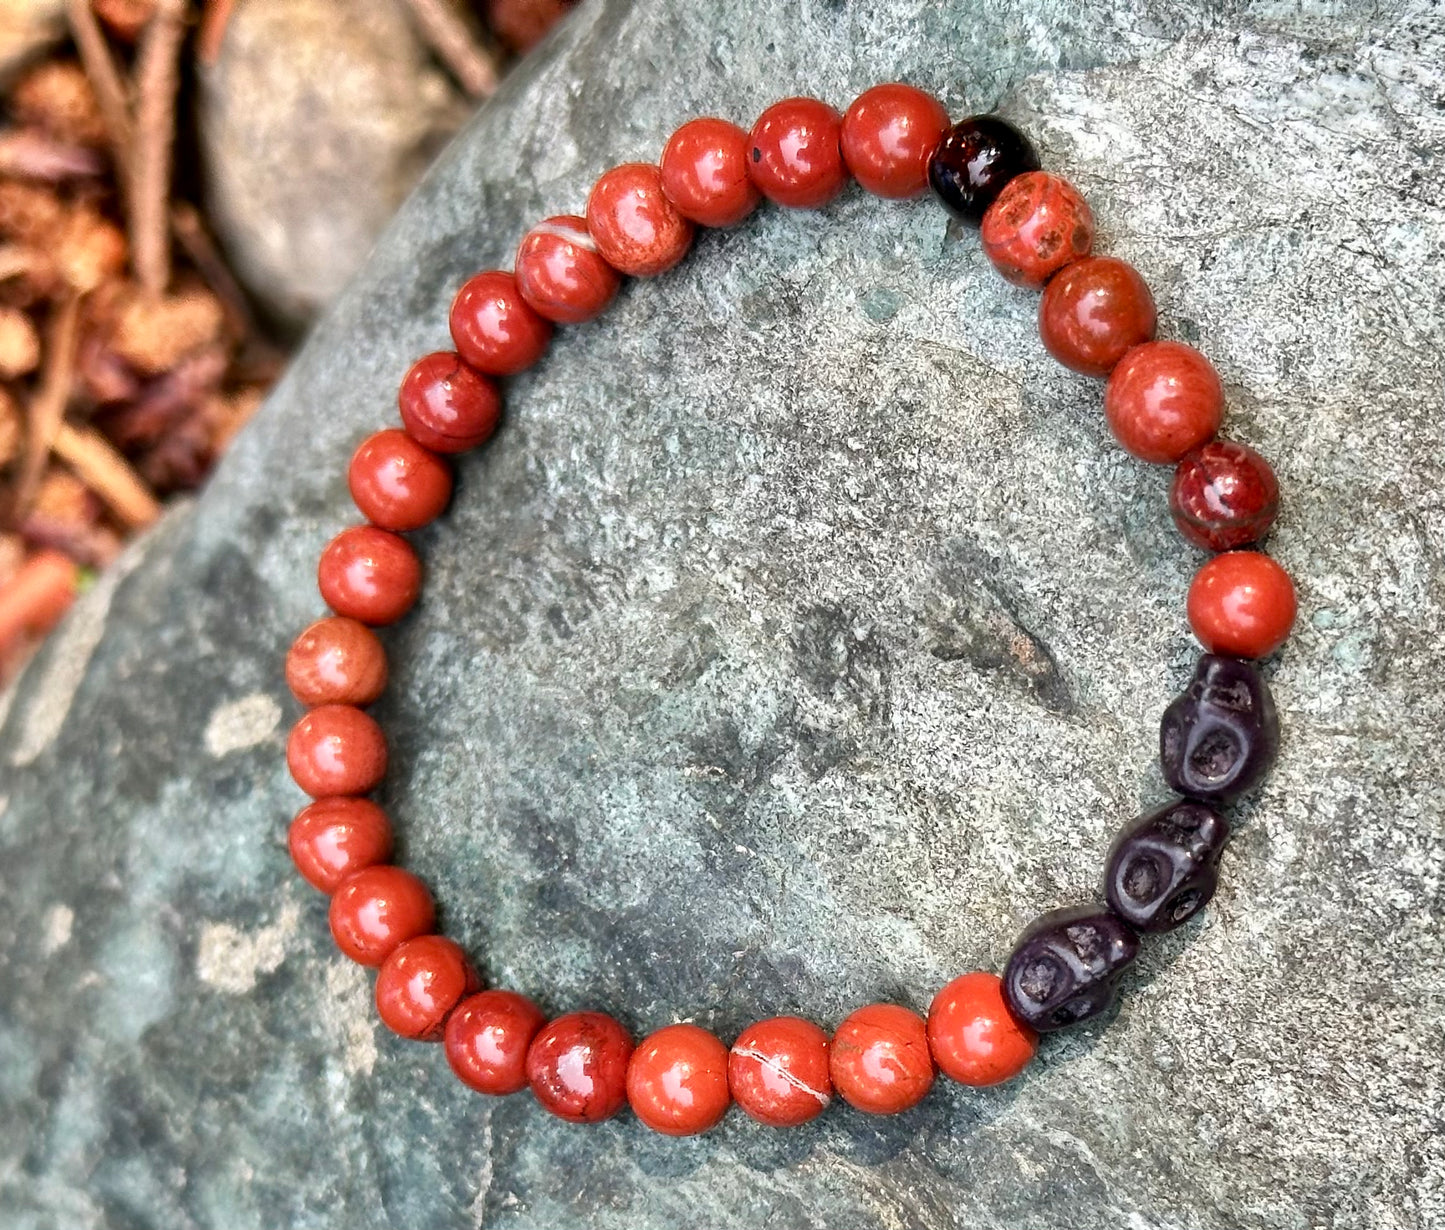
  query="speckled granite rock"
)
[{"x": 801, "y": 636}]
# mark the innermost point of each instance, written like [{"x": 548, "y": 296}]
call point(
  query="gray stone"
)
[{"x": 802, "y": 635}]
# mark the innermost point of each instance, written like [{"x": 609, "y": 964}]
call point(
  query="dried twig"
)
[
  {"x": 105, "y": 79},
  {"x": 191, "y": 233},
  {"x": 466, "y": 59},
  {"x": 26, "y": 153},
  {"x": 108, "y": 474},
  {"x": 157, "y": 76},
  {"x": 46, "y": 410},
  {"x": 213, "y": 31}
]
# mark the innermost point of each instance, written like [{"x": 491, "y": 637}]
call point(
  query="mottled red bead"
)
[
  {"x": 677, "y": 1080},
  {"x": 888, "y": 135},
  {"x": 1224, "y": 495},
  {"x": 636, "y": 228},
  {"x": 778, "y": 1071},
  {"x": 378, "y": 908},
  {"x": 447, "y": 406},
  {"x": 369, "y": 575},
  {"x": 704, "y": 170},
  {"x": 494, "y": 329},
  {"x": 332, "y": 838},
  {"x": 397, "y": 484},
  {"x": 487, "y": 1039},
  {"x": 336, "y": 749},
  {"x": 879, "y": 1060},
  {"x": 420, "y": 983},
  {"x": 561, "y": 274},
  {"x": 336, "y": 661},
  {"x": 1038, "y": 224},
  {"x": 795, "y": 155},
  {"x": 973, "y": 1036},
  {"x": 1093, "y": 311},
  {"x": 1162, "y": 400},
  {"x": 577, "y": 1066},
  {"x": 1242, "y": 605}
]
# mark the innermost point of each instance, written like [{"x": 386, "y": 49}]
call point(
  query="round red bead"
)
[
  {"x": 561, "y": 274},
  {"x": 636, "y": 228},
  {"x": 888, "y": 136},
  {"x": 420, "y": 983},
  {"x": 704, "y": 172},
  {"x": 677, "y": 1080},
  {"x": 369, "y": 575},
  {"x": 1242, "y": 605},
  {"x": 397, "y": 484},
  {"x": 332, "y": 838},
  {"x": 778, "y": 1071},
  {"x": 447, "y": 406},
  {"x": 487, "y": 1039},
  {"x": 378, "y": 908},
  {"x": 1038, "y": 224},
  {"x": 336, "y": 661},
  {"x": 577, "y": 1066},
  {"x": 1224, "y": 495},
  {"x": 336, "y": 749},
  {"x": 495, "y": 330},
  {"x": 1093, "y": 311},
  {"x": 879, "y": 1060},
  {"x": 973, "y": 1036},
  {"x": 1162, "y": 400},
  {"x": 795, "y": 155}
]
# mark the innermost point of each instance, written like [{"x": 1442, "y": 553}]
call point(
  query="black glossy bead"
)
[
  {"x": 1164, "y": 867},
  {"x": 1220, "y": 736},
  {"x": 1066, "y": 967},
  {"x": 974, "y": 160}
]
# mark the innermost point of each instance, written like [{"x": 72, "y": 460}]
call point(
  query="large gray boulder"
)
[{"x": 801, "y": 636}]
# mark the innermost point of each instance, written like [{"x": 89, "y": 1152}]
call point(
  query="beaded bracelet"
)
[{"x": 1163, "y": 402}]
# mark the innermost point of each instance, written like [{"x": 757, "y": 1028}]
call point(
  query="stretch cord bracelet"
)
[{"x": 1164, "y": 403}]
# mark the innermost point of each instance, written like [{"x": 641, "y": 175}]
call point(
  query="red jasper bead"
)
[
  {"x": 677, "y": 1081},
  {"x": 336, "y": 749},
  {"x": 1162, "y": 400},
  {"x": 334, "y": 837},
  {"x": 447, "y": 406},
  {"x": 495, "y": 330},
  {"x": 1242, "y": 605},
  {"x": 336, "y": 661},
  {"x": 795, "y": 155},
  {"x": 397, "y": 484},
  {"x": 419, "y": 985},
  {"x": 888, "y": 136},
  {"x": 636, "y": 228},
  {"x": 577, "y": 1066},
  {"x": 369, "y": 575},
  {"x": 561, "y": 274},
  {"x": 487, "y": 1039},
  {"x": 880, "y": 1061},
  {"x": 1038, "y": 224},
  {"x": 378, "y": 908},
  {"x": 1093, "y": 311},
  {"x": 704, "y": 172},
  {"x": 778, "y": 1071},
  {"x": 1224, "y": 495},
  {"x": 973, "y": 1036}
]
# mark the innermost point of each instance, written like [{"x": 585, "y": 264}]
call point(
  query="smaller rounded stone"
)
[
  {"x": 677, "y": 1080},
  {"x": 1066, "y": 967},
  {"x": 795, "y": 155},
  {"x": 1163, "y": 400},
  {"x": 778, "y": 1071},
  {"x": 333, "y": 838},
  {"x": 1224, "y": 495},
  {"x": 974, "y": 161},
  {"x": 1038, "y": 224},
  {"x": 377, "y": 909},
  {"x": 561, "y": 274},
  {"x": 495, "y": 330},
  {"x": 577, "y": 1066},
  {"x": 420, "y": 983},
  {"x": 636, "y": 228},
  {"x": 1093, "y": 312},
  {"x": 1163, "y": 868},
  {"x": 397, "y": 484},
  {"x": 487, "y": 1039},
  {"x": 336, "y": 749},
  {"x": 370, "y": 575},
  {"x": 447, "y": 406},
  {"x": 889, "y": 133},
  {"x": 336, "y": 661},
  {"x": 879, "y": 1059},
  {"x": 704, "y": 172},
  {"x": 1242, "y": 605},
  {"x": 973, "y": 1036}
]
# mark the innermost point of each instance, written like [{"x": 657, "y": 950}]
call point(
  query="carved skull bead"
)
[
  {"x": 1220, "y": 736},
  {"x": 1066, "y": 966},
  {"x": 1164, "y": 867}
]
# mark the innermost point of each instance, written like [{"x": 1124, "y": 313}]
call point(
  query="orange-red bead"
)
[
  {"x": 1242, "y": 605},
  {"x": 377, "y": 909},
  {"x": 636, "y": 228},
  {"x": 1224, "y": 495},
  {"x": 577, "y": 1066},
  {"x": 336, "y": 661},
  {"x": 494, "y": 329},
  {"x": 778, "y": 1071},
  {"x": 561, "y": 274},
  {"x": 487, "y": 1039},
  {"x": 370, "y": 575},
  {"x": 973, "y": 1036},
  {"x": 420, "y": 983},
  {"x": 888, "y": 136},
  {"x": 879, "y": 1059},
  {"x": 677, "y": 1080},
  {"x": 447, "y": 406},
  {"x": 795, "y": 155},
  {"x": 333, "y": 838},
  {"x": 336, "y": 749},
  {"x": 1093, "y": 311},
  {"x": 1038, "y": 224},
  {"x": 397, "y": 484},
  {"x": 1163, "y": 400},
  {"x": 704, "y": 170}
]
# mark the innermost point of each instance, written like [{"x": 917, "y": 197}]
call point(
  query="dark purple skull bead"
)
[
  {"x": 1164, "y": 867},
  {"x": 1219, "y": 738},
  {"x": 1066, "y": 967}
]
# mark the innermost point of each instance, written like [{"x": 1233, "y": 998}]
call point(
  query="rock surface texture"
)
[{"x": 802, "y": 636}]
